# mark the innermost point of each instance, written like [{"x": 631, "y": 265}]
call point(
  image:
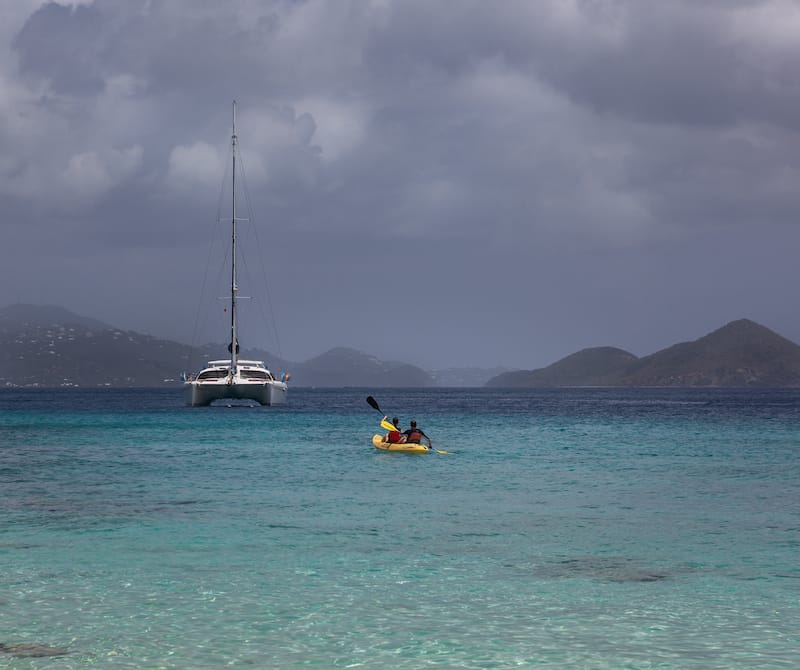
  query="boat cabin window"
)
[
  {"x": 255, "y": 374},
  {"x": 213, "y": 374}
]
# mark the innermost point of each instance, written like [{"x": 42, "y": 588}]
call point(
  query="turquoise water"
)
[{"x": 593, "y": 529}]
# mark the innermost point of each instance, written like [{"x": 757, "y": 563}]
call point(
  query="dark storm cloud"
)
[
  {"x": 67, "y": 47},
  {"x": 565, "y": 171}
]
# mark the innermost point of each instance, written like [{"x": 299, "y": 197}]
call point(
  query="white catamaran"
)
[{"x": 235, "y": 378}]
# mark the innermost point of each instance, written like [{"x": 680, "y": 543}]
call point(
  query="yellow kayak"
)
[{"x": 404, "y": 447}]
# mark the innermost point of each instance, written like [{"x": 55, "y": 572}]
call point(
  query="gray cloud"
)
[{"x": 545, "y": 176}]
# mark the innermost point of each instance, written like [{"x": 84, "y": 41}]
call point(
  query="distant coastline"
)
[
  {"x": 44, "y": 345},
  {"x": 742, "y": 353}
]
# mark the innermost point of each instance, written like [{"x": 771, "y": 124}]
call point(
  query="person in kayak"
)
[
  {"x": 414, "y": 434},
  {"x": 396, "y": 436}
]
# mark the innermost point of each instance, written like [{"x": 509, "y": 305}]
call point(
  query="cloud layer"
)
[{"x": 510, "y": 182}]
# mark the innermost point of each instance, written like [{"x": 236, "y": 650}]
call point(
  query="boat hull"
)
[
  {"x": 402, "y": 447},
  {"x": 202, "y": 394}
]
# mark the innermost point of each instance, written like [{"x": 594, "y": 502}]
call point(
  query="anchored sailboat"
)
[{"x": 235, "y": 378}]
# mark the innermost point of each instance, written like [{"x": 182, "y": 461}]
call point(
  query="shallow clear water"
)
[{"x": 568, "y": 529}]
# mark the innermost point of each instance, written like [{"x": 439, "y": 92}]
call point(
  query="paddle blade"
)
[
  {"x": 373, "y": 403},
  {"x": 387, "y": 426}
]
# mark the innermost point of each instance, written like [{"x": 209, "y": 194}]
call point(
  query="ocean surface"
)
[{"x": 574, "y": 529}]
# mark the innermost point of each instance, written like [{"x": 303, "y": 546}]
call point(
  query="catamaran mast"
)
[{"x": 234, "y": 345}]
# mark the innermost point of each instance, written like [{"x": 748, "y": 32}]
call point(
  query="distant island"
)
[
  {"x": 741, "y": 353},
  {"x": 45, "y": 345},
  {"x": 48, "y": 346}
]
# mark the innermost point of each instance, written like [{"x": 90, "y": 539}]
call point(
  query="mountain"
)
[
  {"x": 347, "y": 367},
  {"x": 45, "y": 315},
  {"x": 44, "y": 345},
  {"x": 741, "y": 353},
  {"x": 598, "y": 366}
]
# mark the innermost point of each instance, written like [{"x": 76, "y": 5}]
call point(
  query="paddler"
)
[
  {"x": 395, "y": 436},
  {"x": 415, "y": 434}
]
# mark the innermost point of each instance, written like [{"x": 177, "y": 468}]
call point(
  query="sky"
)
[{"x": 445, "y": 183}]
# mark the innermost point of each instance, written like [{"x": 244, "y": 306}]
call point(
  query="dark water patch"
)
[
  {"x": 18, "y": 545},
  {"x": 610, "y": 569},
  {"x": 31, "y": 650}
]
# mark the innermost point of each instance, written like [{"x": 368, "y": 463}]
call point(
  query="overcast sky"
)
[{"x": 445, "y": 183}]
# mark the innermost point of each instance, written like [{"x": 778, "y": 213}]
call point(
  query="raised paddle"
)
[
  {"x": 384, "y": 423},
  {"x": 374, "y": 404}
]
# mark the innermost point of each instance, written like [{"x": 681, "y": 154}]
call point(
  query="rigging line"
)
[
  {"x": 211, "y": 249},
  {"x": 260, "y": 254}
]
